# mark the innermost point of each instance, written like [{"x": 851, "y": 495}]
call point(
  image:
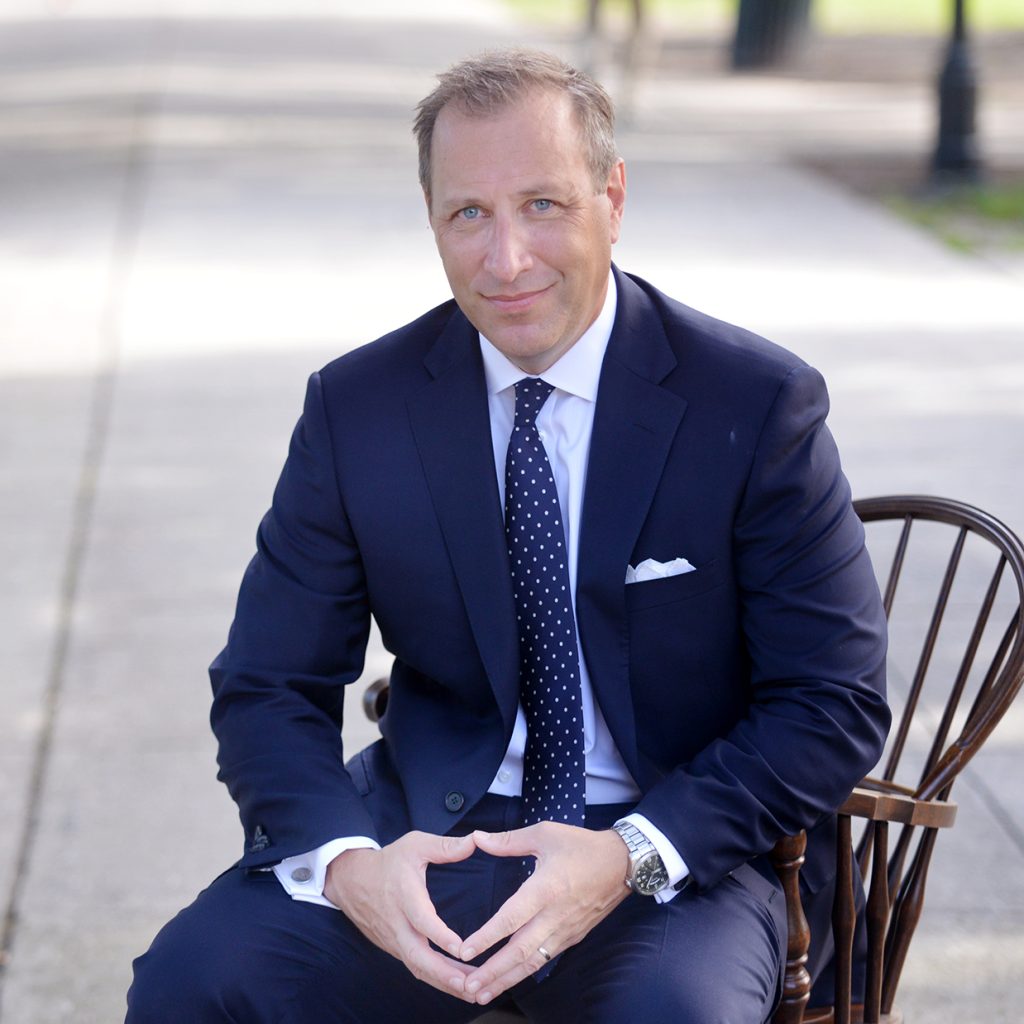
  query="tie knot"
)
[{"x": 531, "y": 394}]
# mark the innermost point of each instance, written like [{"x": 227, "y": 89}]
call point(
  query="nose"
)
[{"x": 508, "y": 251}]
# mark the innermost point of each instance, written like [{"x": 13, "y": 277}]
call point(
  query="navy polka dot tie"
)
[{"x": 549, "y": 680}]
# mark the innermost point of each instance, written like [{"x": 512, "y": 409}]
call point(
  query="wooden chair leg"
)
[
  {"x": 877, "y": 917},
  {"x": 787, "y": 858},
  {"x": 844, "y": 918}
]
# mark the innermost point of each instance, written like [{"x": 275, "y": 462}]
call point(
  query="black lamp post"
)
[{"x": 956, "y": 159}]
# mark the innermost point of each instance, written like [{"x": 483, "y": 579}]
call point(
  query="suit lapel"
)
[
  {"x": 635, "y": 422},
  {"x": 451, "y": 425}
]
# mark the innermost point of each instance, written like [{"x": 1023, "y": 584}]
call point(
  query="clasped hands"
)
[{"x": 578, "y": 880}]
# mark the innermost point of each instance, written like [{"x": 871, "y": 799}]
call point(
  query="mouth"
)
[{"x": 516, "y": 303}]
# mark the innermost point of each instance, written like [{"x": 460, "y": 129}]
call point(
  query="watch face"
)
[{"x": 649, "y": 875}]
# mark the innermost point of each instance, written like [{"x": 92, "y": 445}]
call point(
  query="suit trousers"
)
[{"x": 245, "y": 952}]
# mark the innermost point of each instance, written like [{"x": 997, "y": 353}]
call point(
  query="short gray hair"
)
[{"x": 492, "y": 81}]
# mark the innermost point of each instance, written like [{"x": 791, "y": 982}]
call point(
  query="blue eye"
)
[
  {"x": 542, "y": 204},
  {"x": 470, "y": 213}
]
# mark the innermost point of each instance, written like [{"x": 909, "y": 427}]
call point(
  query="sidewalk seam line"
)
[{"x": 129, "y": 218}]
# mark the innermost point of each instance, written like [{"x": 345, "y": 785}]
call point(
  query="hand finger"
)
[
  {"x": 418, "y": 907},
  {"x": 424, "y": 919},
  {"x": 517, "y": 960},
  {"x": 434, "y": 968},
  {"x": 521, "y": 907},
  {"x": 385, "y": 895}
]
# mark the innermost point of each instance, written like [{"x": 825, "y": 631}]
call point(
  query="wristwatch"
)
[{"x": 647, "y": 874}]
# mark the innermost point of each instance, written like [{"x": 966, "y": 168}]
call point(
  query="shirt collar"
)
[{"x": 579, "y": 368}]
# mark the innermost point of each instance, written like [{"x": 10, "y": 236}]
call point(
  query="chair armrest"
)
[{"x": 883, "y": 801}]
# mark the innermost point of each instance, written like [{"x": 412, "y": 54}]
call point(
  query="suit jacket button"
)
[
  {"x": 454, "y": 801},
  {"x": 302, "y": 875},
  {"x": 260, "y": 840}
]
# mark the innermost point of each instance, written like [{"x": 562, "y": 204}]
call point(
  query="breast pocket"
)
[{"x": 682, "y": 587}]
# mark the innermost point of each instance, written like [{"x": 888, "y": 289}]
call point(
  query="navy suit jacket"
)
[{"x": 746, "y": 698}]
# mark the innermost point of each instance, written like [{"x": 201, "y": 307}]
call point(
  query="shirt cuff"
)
[
  {"x": 674, "y": 864},
  {"x": 304, "y": 875}
]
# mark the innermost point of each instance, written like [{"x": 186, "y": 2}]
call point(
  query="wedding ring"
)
[{"x": 544, "y": 953}]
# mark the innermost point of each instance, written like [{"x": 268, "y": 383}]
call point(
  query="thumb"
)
[
  {"x": 449, "y": 849},
  {"x": 517, "y": 843}
]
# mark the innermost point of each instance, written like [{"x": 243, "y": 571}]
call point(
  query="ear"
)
[{"x": 616, "y": 192}]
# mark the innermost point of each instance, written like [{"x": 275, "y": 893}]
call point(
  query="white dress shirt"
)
[{"x": 565, "y": 423}]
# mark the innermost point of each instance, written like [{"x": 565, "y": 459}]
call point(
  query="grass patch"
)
[
  {"x": 980, "y": 219},
  {"x": 838, "y": 16},
  {"x": 1000, "y": 204},
  {"x": 915, "y": 15},
  {"x": 573, "y": 12}
]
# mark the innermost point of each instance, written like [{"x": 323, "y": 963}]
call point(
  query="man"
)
[{"x": 637, "y": 638}]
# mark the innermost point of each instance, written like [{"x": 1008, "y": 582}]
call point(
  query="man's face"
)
[{"x": 524, "y": 237}]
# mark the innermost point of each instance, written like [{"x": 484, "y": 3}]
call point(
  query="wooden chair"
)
[{"x": 956, "y": 662}]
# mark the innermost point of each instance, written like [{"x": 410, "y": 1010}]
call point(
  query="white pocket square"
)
[{"x": 652, "y": 569}]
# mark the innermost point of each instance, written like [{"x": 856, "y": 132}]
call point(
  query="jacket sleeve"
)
[
  {"x": 815, "y": 636},
  {"x": 298, "y": 637}
]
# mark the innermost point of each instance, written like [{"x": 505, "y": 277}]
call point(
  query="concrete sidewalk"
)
[{"x": 195, "y": 212}]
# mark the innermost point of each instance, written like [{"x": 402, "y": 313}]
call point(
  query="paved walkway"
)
[{"x": 196, "y": 211}]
